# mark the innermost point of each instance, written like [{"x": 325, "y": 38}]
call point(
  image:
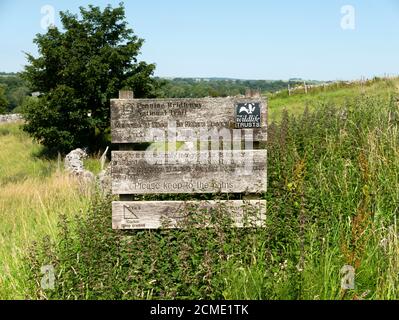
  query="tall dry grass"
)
[{"x": 33, "y": 193}]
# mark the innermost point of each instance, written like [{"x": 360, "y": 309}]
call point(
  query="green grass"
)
[
  {"x": 33, "y": 193},
  {"x": 332, "y": 200}
]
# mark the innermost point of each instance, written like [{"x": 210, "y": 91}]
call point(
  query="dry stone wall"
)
[{"x": 9, "y": 118}]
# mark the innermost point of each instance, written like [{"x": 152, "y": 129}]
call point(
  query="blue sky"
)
[{"x": 250, "y": 39}]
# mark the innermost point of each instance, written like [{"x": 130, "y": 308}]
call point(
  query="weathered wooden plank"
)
[
  {"x": 174, "y": 214},
  {"x": 148, "y": 120},
  {"x": 137, "y": 172}
]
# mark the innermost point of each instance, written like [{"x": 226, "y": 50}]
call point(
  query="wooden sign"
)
[
  {"x": 189, "y": 172},
  {"x": 215, "y": 158},
  {"x": 173, "y": 214},
  {"x": 134, "y": 120}
]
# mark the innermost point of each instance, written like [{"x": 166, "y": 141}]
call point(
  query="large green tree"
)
[{"x": 79, "y": 69}]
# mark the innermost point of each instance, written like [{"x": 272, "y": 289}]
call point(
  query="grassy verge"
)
[
  {"x": 334, "y": 95},
  {"x": 33, "y": 192}
]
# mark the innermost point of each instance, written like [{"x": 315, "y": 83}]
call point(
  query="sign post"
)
[{"x": 194, "y": 146}]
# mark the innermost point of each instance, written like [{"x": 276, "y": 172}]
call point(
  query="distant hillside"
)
[
  {"x": 16, "y": 89},
  {"x": 8, "y": 74},
  {"x": 220, "y": 87}
]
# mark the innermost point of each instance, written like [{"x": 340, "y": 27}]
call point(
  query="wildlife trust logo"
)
[{"x": 248, "y": 115}]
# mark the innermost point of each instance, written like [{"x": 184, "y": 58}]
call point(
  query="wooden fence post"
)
[{"x": 125, "y": 94}]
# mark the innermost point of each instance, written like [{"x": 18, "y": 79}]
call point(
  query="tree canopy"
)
[
  {"x": 79, "y": 69},
  {"x": 3, "y": 101}
]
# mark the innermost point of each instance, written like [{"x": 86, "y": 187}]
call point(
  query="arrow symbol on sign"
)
[{"x": 130, "y": 209}]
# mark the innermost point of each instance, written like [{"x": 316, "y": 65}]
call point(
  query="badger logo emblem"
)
[{"x": 249, "y": 109}]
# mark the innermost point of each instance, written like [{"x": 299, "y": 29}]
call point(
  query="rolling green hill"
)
[
  {"x": 15, "y": 89},
  {"x": 34, "y": 192}
]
